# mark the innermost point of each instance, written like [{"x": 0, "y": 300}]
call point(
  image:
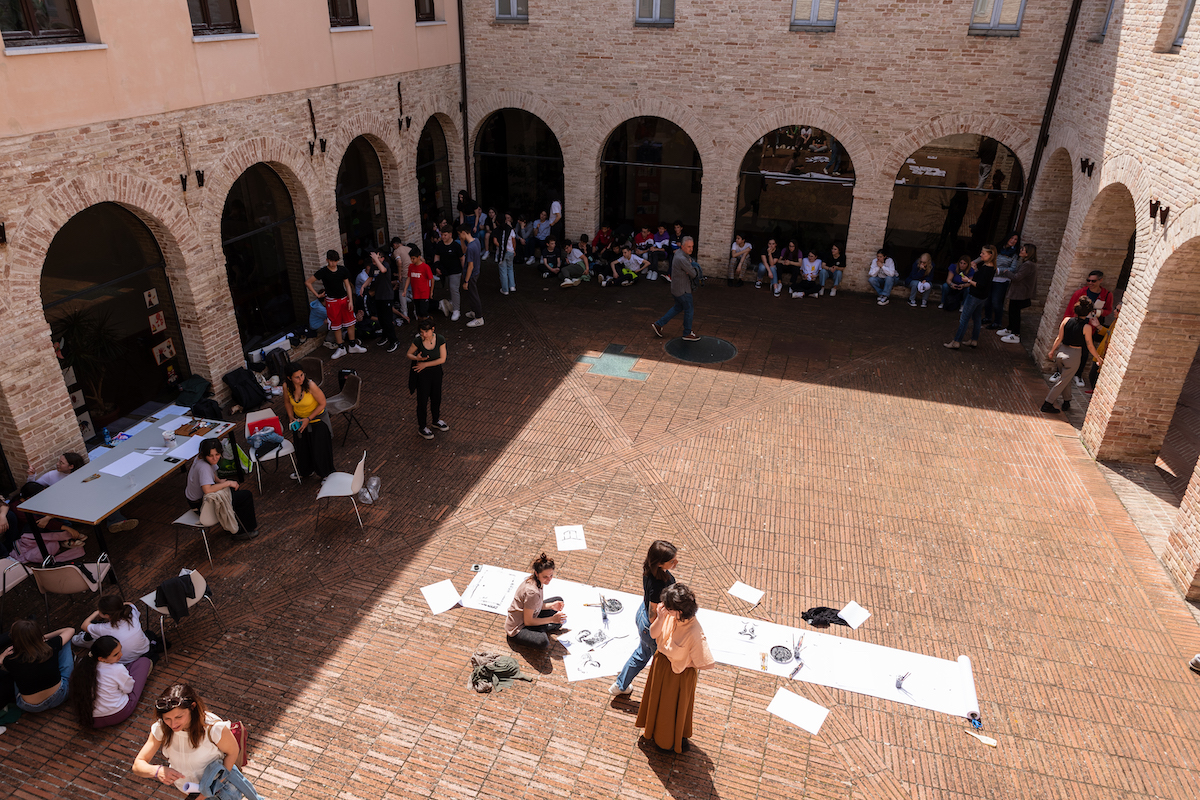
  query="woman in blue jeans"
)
[
  {"x": 979, "y": 289},
  {"x": 40, "y": 665},
  {"x": 661, "y": 558}
]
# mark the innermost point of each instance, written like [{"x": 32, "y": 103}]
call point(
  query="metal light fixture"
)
[
  {"x": 400, "y": 124},
  {"x": 183, "y": 180},
  {"x": 312, "y": 148},
  {"x": 1162, "y": 215},
  {"x": 322, "y": 145},
  {"x": 3, "y": 234},
  {"x": 1086, "y": 165},
  {"x": 1153, "y": 209},
  {"x": 408, "y": 122},
  {"x": 200, "y": 178}
]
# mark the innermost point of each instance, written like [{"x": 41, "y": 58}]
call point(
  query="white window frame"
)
[
  {"x": 657, "y": 19},
  {"x": 811, "y": 21},
  {"x": 995, "y": 24},
  {"x": 516, "y": 15},
  {"x": 1186, "y": 17}
]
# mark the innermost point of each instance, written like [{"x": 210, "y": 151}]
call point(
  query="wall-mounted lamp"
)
[
  {"x": 1162, "y": 215},
  {"x": 3, "y": 234},
  {"x": 183, "y": 181},
  {"x": 312, "y": 148},
  {"x": 460, "y": 106},
  {"x": 200, "y": 178},
  {"x": 1153, "y": 209},
  {"x": 322, "y": 145},
  {"x": 1086, "y": 165},
  {"x": 408, "y": 122},
  {"x": 400, "y": 97},
  {"x": 400, "y": 124}
]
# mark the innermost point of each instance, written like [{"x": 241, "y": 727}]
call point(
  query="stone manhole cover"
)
[{"x": 709, "y": 350}]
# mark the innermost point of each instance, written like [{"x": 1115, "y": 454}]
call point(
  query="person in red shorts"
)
[
  {"x": 337, "y": 282},
  {"x": 420, "y": 277}
]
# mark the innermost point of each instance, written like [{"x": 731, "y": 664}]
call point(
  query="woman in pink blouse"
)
[{"x": 666, "y": 710}]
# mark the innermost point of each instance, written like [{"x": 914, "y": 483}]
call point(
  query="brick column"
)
[
  {"x": 1182, "y": 556},
  {"x": 868, "y": 228},
  {"x": 718, "y": 200},
  {"x": 581, "y": 188}
]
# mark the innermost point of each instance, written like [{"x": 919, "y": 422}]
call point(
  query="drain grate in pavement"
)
[{"x": 709, "y": 350}]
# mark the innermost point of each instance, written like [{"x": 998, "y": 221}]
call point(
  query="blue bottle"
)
[{"x": 107, "y": 438}]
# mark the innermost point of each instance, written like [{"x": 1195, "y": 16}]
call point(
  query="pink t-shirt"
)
[{"x": 529, "y": 595}]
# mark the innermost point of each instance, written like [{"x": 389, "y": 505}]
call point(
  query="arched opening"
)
[
  {"x": 951, "y": 197},
  {"x": 112, "y": 318},
  {"x": 650, "y": 175},
  {"x": 262, "y": 256},
  {"x": 797, "y": 181},
  {"x": 1049, "y": 210},
  {"x": 518, "y": 163},
  {"x": 433, "y": 173},
  {"x": 361, "y": 206}
]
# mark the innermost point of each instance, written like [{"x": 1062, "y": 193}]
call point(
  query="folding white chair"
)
[
  {"x": 199, "y": 586},
  {"x": 7, "y": 583},
  {"x": 267, "y": 418},
  {"x": 70, "y": 579},
  {"x": 201, "y": 520},
  {"x": 343, "y": 484}
]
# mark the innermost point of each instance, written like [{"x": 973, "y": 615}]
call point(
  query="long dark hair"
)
[
  {"x": 74, "y": 459},
  {"x": 182, "y": 695},
  {"x": 83, "y": 679},
  {"x": 292, "y": 370},
  {"x": 660, "y": 552},
  {"x": 113, "y": 606},
  {"x": 28, "y": 642},
  {"x": 540, "y": 565}
]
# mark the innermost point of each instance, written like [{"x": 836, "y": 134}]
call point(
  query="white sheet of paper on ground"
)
[
  {"x": 174, "y": 423},
  {"x": 492, "y": 589},
  {"x": 800, "y": 711},
  {"x": 186, "y": 448},
  {"x": 854, "y": 614},
  {"x": 570, "y": 537},
  {"x": 747, "y": 593},
  {"x": 125, "y": 465},
  {"x": 441, "y": 596}
]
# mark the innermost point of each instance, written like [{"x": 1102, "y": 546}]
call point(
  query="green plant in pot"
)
[{"x": 90, "y": 343}]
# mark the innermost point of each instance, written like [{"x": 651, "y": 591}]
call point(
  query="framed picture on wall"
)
[
  {"x": 158, "y": 323},
  {"x": 151, "y": 296},
  {"x": 77, "y": 398},
  {"x": 380, "y": 237},
  {"x": 86, "y": 430},
  {"x": 164, "y": 352},
  {"x": 69, "y": 376}
]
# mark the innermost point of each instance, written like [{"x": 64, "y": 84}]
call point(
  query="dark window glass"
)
[
  {"x": 433, "y": 172},
  {"x": 106, "y": 296},
  {"x": 518, "y": 163},
  {"x": 795, "y": 182},
  {"x": 39, "y": 22},
  {"x": 214, "y": 16},
  {"x": 262, "y": 257},
  {"x": 951, "y": 197},
  {"x": 650, "y": 173},
  {"x": 362, "y": 212},
  {"x": 425, "y": 11},
  {"x": 343, "y": 13}
]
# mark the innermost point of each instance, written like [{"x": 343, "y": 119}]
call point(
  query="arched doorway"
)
[
  {"x": 797, "y": 181},
  {"x": 650, "y": 174},
  {"x": 433, "y": 173},
  {"x": 262, "y": 256},
  {"x": 112, "y": 318},
  {"x": 951, "y": 197},
  {"x": 518, "y": 164},
  {"x": 361, "y": 206}
]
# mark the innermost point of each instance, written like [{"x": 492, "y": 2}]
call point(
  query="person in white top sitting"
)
[
  {"x": 810, "y": 270},
  {"x": 627, "y": 268},
  {"x": 68, "y": 463},
  {"x": 739, "y": 257},
  {"x": 118, "y": 619},
  {"x": 105, "y": 691},
  {"x": 882, "y": 276}
]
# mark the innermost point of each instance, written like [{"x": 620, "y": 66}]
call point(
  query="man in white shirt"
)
[
  {"x": 739, "y": 257},
  {"x": 630, "y": 265},
  {"x": 882, "y": 276}
]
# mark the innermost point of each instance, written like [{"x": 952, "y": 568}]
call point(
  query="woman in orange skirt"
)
[{"x": 670, "y": 694}]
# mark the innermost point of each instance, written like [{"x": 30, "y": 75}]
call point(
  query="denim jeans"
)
[
  {"x": 682, "y": 303},
  {"x": 993, "y": 309},
  {"x": 641, "y": 657},
  {"x": 882, "y": 285},
  {"x": 66, "y": 665},
  {"x": 826, "y": 274},
  {"x": 507, "y": 281},
  {"x": 914, "y": 295},
  {"x": 764, "y": 271},
  {"x": 972, "y": 311},
  {"x": 952, "y": 297},
  {"x": 226, "y": 784}
]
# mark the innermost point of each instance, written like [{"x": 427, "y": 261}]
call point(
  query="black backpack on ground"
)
[
  {"x": 246, "y": 391},
  {"x": 207, "y": 409},
  {"x": 278, "y": 362}
]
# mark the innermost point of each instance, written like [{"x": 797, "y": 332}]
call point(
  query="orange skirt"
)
[{"x": 667, "y": 703}]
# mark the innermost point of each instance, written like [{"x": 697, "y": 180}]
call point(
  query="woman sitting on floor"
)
[
  {"x": 528, "y": 608},
  {"x": 120, "y": 620},
  {"x": 40, "y": 665},
  {"x": 106, "y": 691}
]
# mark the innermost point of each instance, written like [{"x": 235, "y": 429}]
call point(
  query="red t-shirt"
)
[
  {"x": 421, "y": 279},
  {"x": 603, "y": 239},
  {"x": 643, "y": 241}
]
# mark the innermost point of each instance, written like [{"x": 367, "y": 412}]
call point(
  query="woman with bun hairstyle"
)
[
  {"x": 670, "y": 695},
  {"x": 661, "y": 558},
  {"x": 1066, "y": 354},
  {"x": 528, "y": 608},
  {"x": 120, "y": 620},
  {"x": 104, "y": 690}
]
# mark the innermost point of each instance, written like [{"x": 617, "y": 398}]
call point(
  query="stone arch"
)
[
  {"x": 484, "y": 107},
  {"x": 574, "y": 203},
  {"x": 1049, "y": 211},
  {"x": 594, "y": 138},
  {"x": 848, "y": 135},
  {"x": 384, "y": 137},
  {"x": 993, "y": 126},
  {"x": 441, "y": 110}
]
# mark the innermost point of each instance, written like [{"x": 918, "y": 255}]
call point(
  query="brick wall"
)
[{"x": 47, "y": 178}]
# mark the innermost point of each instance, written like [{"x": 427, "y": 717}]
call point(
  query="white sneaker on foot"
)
[
  {"x": 354, "y": 348},
  {"x": 341, "y": 351},
  {"x": 454, "y": 317},
  {"x": 475, "y": 323},
  {"x": 616, "y": 691},
  {"x": 1003, "y": 332},
  {"x": 1012, "y": 338},
  {"x": 833, "y": 292}
]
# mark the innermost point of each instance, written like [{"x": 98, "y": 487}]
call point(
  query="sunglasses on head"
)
[{"x": 168, "y": 703}]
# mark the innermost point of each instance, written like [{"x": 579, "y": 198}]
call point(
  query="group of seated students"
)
[
  {"x": 796, "y": 271},
  {"x": 39, "y": 670}
]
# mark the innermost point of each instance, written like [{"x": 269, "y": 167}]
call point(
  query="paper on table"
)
[
  {"x": 570, "y": 537},
  {"x": 441, "y": 596},
  {"x": 157, "y": 451},
  {"x": 125, "y": 465},
  {"x": 854, "y": 614},
  {"x": 800, "y": 711},
  {"x": 747, "y": 593},
  {"x": 187, "y": 448},
  {"x": 136, "y": 429},
  {"x": 174, "y": 423},
  {"x": 171, "y": 411}
]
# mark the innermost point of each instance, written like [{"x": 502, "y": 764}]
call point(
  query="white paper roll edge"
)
[{"x": 968, "y": 685}]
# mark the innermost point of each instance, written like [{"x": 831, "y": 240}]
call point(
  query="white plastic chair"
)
[
  {"x": 6, "y": 583},
  {"x": 201, "y": 520},
  {"x": 70, "y": 579},
  {"x": 343, "y": 484},
  {"x": 199, "y": 586},
  {"x": 286, "y": 449}
]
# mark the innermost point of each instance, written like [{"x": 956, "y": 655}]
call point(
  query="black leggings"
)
[
  {"x": 538, "y": 635},
  {"x": 1015, "y": 307},
  {"x": 429, "y": 390}
]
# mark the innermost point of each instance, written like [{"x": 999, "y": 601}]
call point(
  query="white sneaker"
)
[
  {"x": 798, "y": 294},
  {"x": 512, "y": 288},
  {"x": 331, "y": 345},
  {"x": 1079, "y": 381},
  {"x": 777, "y": 291},
  {"x": 833, "y": 292},
  {"x": 924, "y": 304},
  {"x": 454, "y": 317},
  {"x": 341, "y": 351},
  {"x": 294, "y": 476},
  {"x": 529, "y": 260},
  {"x": 883, "y": 301},
  {"x": 652, "y": 276},
  {"x": 1003, "y": 332},
  {"x": 475, "y": 323},
  {"x": 941, "y": 305},
  {"x": 357, "y": 349},
  {"x": 616, "y": 691},
  {"x": 822, "y": 292},
  {"x": 504, "y": 292},
  {"x": 912, "y": 303},
  {"x": 1012, "y": 338}
]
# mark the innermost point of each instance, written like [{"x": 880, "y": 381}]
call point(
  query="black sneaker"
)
[
  {"x": 381, "y": 343},
  {"x": 394, "y": 347},
  {"x": 428, "y": 434},
  {"x": 1066, "y": 405},
  {"x": 441, "y": 426},
  {"x": 244, "y": 536},
  {"x": 1047, "y": 408}
]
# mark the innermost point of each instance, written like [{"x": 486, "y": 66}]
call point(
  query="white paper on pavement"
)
[
  {"x": 854, "y": 614},
  {"x": 747, "y": 593},
  {"x": 492, "y": 589},
  {"x": 570, "y": 537},
  {"x": 174, "y": 423},
  {"x": 800, "y": 711},
  {"x": 596, "y": 650},
  {"x": 125, "y": 465},
  {"x": 441, "y": 596}
]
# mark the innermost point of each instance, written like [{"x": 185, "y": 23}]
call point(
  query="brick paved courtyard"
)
[{"x": 843, "y": 454}]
